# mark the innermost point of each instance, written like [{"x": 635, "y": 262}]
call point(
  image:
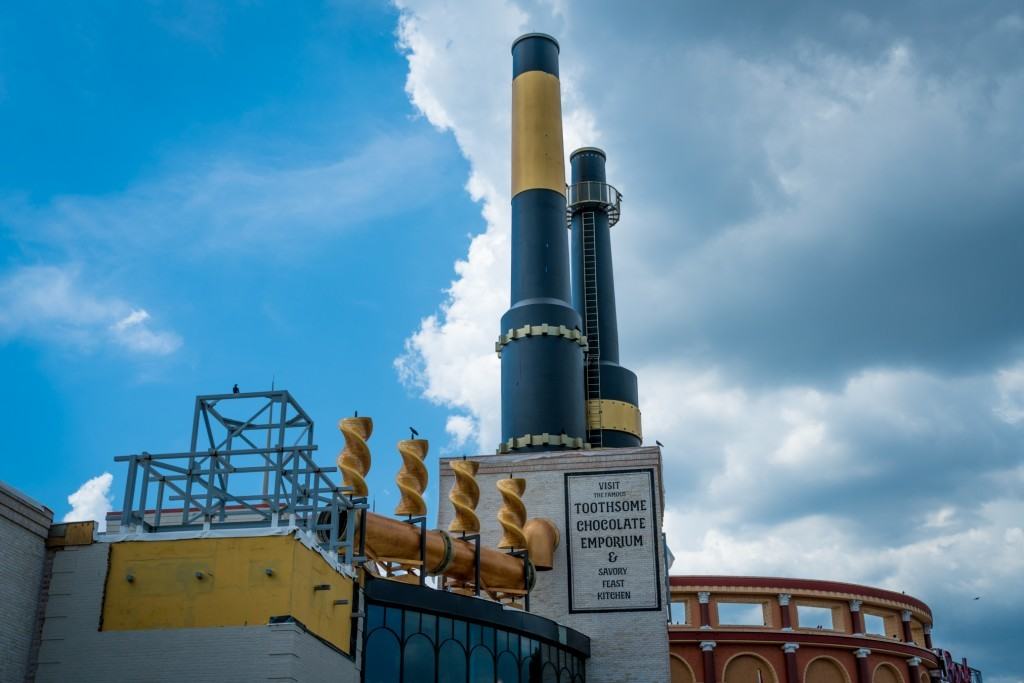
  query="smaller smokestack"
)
[{"x": 613, "y": 415}]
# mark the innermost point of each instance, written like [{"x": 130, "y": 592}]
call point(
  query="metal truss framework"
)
[{"x": 250, "y": 464}]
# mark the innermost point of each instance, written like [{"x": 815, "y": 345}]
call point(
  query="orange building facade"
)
[{"x": 742, "y": 629}]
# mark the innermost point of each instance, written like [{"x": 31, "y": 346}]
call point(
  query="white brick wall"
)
[
  {"x": 626, "y": 647},
  {"x": 73, "y": 648},
  {"x": 23, "y": 527}
]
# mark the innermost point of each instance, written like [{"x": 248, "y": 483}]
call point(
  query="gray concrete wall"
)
[
  {"x": 23, "y": 527},
  {"x": 626, "y": 647},
  {"x": 74, "y": 649}
]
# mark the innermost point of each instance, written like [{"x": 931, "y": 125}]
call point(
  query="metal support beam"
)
[{"x": 218, "y": 484}]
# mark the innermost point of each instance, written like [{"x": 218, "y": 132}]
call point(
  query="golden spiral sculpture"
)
[
  {"x": 354, "y": 459},
  {"x": 412, "y": 478},
  {"x": 465, "y": 495},
  {"x": 512, "y": 515}
]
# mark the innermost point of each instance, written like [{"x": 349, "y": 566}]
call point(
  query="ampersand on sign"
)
[{"x": 612, "y": 557}]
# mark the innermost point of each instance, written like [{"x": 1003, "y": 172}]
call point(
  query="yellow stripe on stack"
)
[
  {"x": 538, "y": 158},
  {"x": 618, "y": 415}
]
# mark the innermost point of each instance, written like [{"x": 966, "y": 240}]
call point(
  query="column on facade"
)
[
  {"x": 914, "y": 668},
  {"x": 863, "y": 673},
  {"x": 707, "y": 648},
  {"x": 792, "y": 672},
  {"x": 908, "y": 634},
  {"x": 856, "y": 618},
  {"x": 787, "y": 619},
  {"x": 704, "y": 598},
  {"x": 928, "y": 636}
]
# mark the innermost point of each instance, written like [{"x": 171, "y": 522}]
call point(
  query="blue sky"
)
[
  {"x": 253, "y": 179},
  {"x": 818, "y": 264}
]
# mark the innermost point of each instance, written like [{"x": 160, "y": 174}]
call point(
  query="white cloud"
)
[
  {"x": 445, "y": 356},
  {"x": 1010, "y": 383},
  {"x": 979, "y": 560},
  {"x": 758, "y": 208},
  {"x": 461, "y": 429},
  {"x": 92, "y": 501},
  {"x": 896, "y": 478},
  {"x": 773, "y": 454},
  {"x": 51, "y": 303},
  {"x": 226, "y": 205},
  {"x": 818, "y": 222},
  {"x": 451, "y": 356},
  {"x": 132, "y": 332}
]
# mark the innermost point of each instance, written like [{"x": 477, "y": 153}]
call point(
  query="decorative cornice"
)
[
  {"x": 802, "y": 587},
  {"x": 526, "y": 440},
  {"x": 542, "y": 330},
  {"x": 846, "y": 641}
]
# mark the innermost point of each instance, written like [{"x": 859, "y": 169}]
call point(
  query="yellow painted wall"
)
[
  {"x": 70, "y": 533},
  {"x": 235, "y": 589}
]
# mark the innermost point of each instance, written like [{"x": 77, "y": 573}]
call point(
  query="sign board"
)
[
  {"x": 956, "y": 672},
  {"x": 612, "y": 537}
]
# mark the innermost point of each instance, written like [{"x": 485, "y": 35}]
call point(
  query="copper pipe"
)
[
  {"x": 541, "y": 540},
  {"x": 447, "y": 554}
]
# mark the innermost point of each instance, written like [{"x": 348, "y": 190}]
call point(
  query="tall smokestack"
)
[
  {"x": 613, "y": 418},
  {"x": 541, "y": 342}
]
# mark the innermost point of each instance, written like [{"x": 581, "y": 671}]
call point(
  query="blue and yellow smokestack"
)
[
  {"x": 613, "y": 418},
  {"x": 541, "y": 342}
]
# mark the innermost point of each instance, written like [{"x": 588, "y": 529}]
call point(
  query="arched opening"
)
[
  {"x": 451, "y": 663},
  {"x": 481, "y": 665},
  {"x": 749, "y": 668},
  {"x": 825, "y": 670},
  {"x": 680, "y": 670},
  {"x": 418, "y": 658},
  {"x": 886, "y": 673},
  {"x": 382, "y": 657},
  {"x": 508, "y": 668}
]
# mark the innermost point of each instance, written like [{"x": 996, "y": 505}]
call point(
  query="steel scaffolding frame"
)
[{"x": 270, "y": 444}]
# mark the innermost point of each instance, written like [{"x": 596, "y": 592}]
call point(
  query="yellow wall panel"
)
[
  {"x": 70, "y": 533},
  {"x": 166, "y": 591}
]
